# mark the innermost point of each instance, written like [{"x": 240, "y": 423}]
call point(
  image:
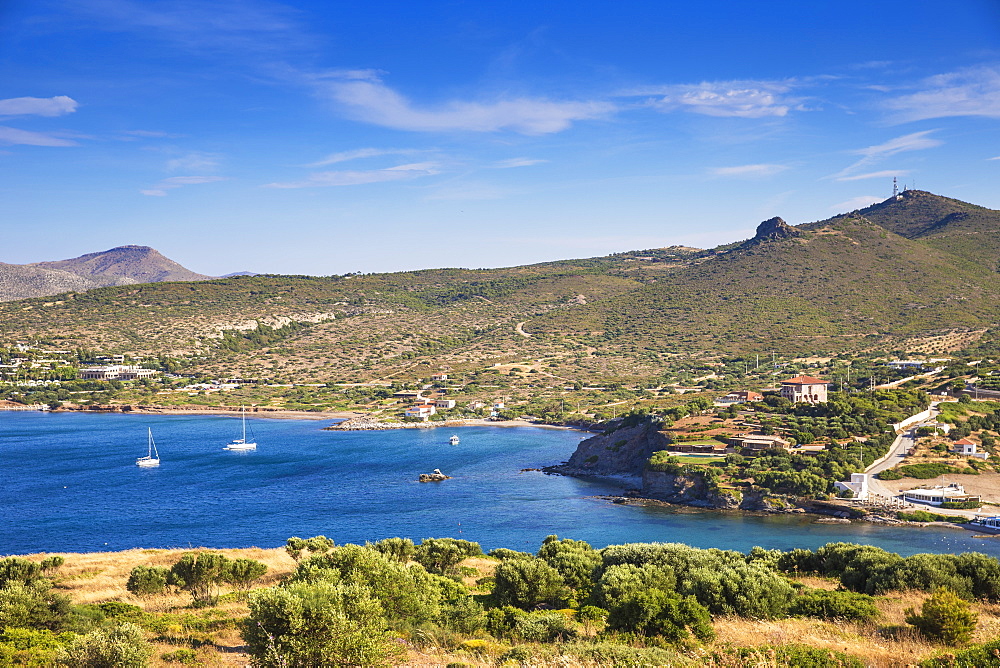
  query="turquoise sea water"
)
[{"x": 68, "y": 482}]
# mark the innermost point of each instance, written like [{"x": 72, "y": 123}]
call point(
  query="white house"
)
[
  {"x": 858, "y": 486},
  {"x": 968, "y": 448},
  {"x": 444, "y": 404},
  {"x": 422, "y": 411}
]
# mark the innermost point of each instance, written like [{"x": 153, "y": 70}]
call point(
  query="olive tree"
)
[
  {"x": 323, "y": 624},
  {"x": 200, "y": 574},
  {"x": 147, "y": 580},
  {"x": 242, "y": 573},
  {"x": 121, "y": 646}
]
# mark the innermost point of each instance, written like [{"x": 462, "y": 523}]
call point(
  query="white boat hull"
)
[
  {"x": 238, "y": 445},
  {"x": 146, "y": 462}
]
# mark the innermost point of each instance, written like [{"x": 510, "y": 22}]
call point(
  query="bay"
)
[{"x": 68, "y": 482}]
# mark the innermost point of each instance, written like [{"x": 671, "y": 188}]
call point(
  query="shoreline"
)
[{"x": 284, "y": 414}]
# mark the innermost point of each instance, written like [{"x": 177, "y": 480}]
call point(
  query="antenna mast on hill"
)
[{"x": 895, "y": 189}]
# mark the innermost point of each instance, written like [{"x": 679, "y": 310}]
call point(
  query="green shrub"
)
[
  {"x": 662, "y": 614},
  {"x": 503, "y": 554},
  {"x": 29, "y": 647},
  {"x": 397, "y": 549},
  {"x": 320, "y": 624},
  {"x": 622, "y": 656},
  {"x": 961, "y": 505},
  {"x": 147, "y": 580},
  {"x": 926, "y": 470},
  {"x": 442, "y": 555},
  {"x": 186, "y": 657},
  {"x": 121, "y": 646},
  {"x": 244, "y": 572},
  {"x": 986, "y": 655},
  {"x": 574, "y": 560},
  {"x": 890, "y": 474},
  {"x": 298, "y": 547},
  {"x": 824, "y": 604},
  {"x": 34, "y": 606},
  {"x": 17, "y": 569},
  {"x": 923, "y": 516},
  {"x": 527, "y": 583},
  {"x": 799, "y": 656},
  {"x": 944, "y": 617},
  {"x": 201, "y": 574}
]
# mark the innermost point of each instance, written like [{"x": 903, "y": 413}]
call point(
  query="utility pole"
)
[{"x": 757, "y": 357}]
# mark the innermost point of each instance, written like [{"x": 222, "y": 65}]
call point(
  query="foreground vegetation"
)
[{"x": 443, "y": 602}]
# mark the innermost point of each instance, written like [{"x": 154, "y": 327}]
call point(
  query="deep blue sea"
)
[{"x": 68, "y": 482}]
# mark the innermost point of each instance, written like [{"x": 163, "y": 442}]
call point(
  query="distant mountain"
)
[
  {"x": 240, "y": 273},
  {"x": 124, "y": 265}
]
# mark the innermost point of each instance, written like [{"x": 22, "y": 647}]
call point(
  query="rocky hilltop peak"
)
[
  {"x": 134, "y": 264},
  {"x": 122, "y": 265},
  {"x": 775, "y": 228}
]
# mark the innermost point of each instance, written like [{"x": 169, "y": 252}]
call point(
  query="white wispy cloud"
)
[
  {"x": 742, "y": 99},
  {"x": 247, "y": 27},
  {"x": 749, "y": 171},
  {"x": 468, "y": 191},
  {"x": 59, "y": 105},
  {"x": 859, "y": 202},
  {"x": 969, "y": 92},
  {"x": 360, "y": 153},
  {"x": 360, "y": 177},
  {"x": 996, "y": 158},
  {"x": 26, "y": 138},
  {"x": 517, "y": 162},
  {"x": 884, "y": 174},
  {"x": 161, "y": 188},
  {"x": 371, "y": 101},
  {"x": 193, "y": 161},
  {"x": 915, "y": 141},
  {"x": 151, "y": 134}
]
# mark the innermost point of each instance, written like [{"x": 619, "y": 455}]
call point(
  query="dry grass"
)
[{"x": 96, "y": 577}]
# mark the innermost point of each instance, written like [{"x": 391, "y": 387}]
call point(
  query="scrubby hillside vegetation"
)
[
  {"x": 913, "y": 273},
  {"x": 443, "y": 602}
]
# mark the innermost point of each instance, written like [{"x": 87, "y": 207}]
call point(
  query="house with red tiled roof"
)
[
  {"x": 967, "y": 447},
  {"x": 805, "y": 389}
]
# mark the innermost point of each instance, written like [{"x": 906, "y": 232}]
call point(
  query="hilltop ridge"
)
[
  {"x": 122, "y": 265},
  {"x": 847, "y": 283}
]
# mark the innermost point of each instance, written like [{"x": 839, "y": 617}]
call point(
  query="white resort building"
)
[
  {"x": 935, "y": 496},
  {"x": 115, "y": 372}
]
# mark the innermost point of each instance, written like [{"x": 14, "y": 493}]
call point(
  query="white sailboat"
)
[
  {"x": 152, "y": 457},
  {"x": 241, "y": 443}
]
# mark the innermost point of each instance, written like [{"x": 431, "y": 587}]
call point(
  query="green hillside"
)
[
  {"x": 967, "y": 230},
  {"x": 842, "y": 284},
  {"x": 907, "y": 273}
]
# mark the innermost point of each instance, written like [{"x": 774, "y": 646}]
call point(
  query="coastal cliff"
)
[
  {"x": 621, "y": 452},
  {"x": 624, "y": 451}
]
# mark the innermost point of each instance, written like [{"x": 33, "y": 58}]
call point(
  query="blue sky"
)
[{"x": 330, "y": 137}]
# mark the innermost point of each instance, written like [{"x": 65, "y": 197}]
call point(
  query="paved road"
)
[{"x": 901, "y": 446}]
